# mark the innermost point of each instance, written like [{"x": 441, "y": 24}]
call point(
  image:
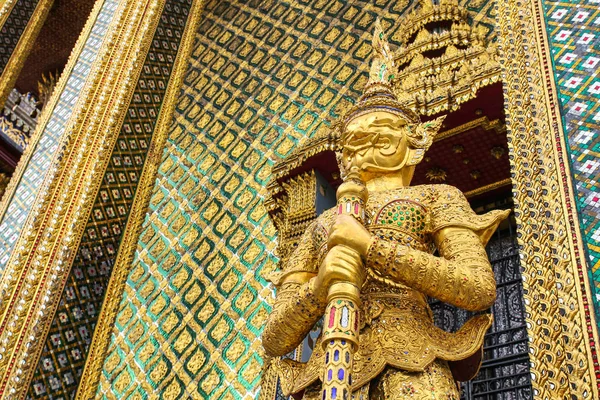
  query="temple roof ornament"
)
[
  {"x": 444, "y": 58},
  {"x": 379, "y": 92}
]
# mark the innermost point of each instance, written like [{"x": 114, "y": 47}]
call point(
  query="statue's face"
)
[{"x": 376, "y": 143}]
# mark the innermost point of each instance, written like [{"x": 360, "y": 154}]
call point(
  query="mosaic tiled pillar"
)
[
  {"x": 574, "y": 34},
  {"x": 561, "y": 325},
  {"x": 91, "y": 150},
  {"x": 27, "y": 179},
  {"x": 20, "y": 23}
]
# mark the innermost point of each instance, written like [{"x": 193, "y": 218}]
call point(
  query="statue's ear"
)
[
  {"x": 421, "y": 137},
  {"x": 432, "y": 128}
]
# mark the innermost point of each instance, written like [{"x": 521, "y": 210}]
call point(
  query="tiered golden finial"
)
[
  {"x": 379, "y": 94},
  {"x": 444, "y": 59}
]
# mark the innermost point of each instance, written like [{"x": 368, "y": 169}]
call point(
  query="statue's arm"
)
[
  {"x": 297, "y": 308},
  {"x": 461, "y": 276},
  {"x": 295, "y": 312}
]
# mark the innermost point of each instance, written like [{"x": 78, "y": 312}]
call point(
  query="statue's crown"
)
[{"x": 378, "y": 93}]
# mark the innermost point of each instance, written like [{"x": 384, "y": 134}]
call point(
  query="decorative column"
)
[
  {"x": 20, "y": 23},
  {"x": 562, "y": 328},
  {"x": 119, "y": 36}
]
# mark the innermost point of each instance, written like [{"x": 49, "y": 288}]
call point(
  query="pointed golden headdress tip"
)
[
  {"x": 378, "y": 94},
  {"x": 383, "y": 66}
]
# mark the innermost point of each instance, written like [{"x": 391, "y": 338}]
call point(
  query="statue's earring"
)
[{"x": 420, "y": 138}]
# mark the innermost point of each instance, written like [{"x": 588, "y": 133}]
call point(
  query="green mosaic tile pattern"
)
[
  {"x": 574, "y": 34},
  {"x": 264, "y": 75},
  {"x": 63, "y": 358},
  {"x": 19, "y": 205}
]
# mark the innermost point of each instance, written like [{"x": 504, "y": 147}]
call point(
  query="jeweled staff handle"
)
[{"x": 341, "y": 322}]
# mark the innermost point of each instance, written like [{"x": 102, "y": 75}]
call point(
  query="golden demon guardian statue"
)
[{"x": 385, "y": 269}]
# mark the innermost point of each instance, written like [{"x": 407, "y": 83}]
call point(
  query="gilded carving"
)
[
  {"x": 387, "y": 264},
  {"x": 432, "y": 85},
  {"x": 13, "y": 132},
  {"x": 561, "y": 327}
]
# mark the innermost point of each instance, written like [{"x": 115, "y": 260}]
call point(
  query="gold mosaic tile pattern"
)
[{"x": 263, "y": 78}]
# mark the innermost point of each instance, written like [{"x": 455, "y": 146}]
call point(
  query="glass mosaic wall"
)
[
  {"x": 574, "y": 35},
  {"x": 264, "y": 76},
  {"x": 19, "y": 205},
  {"x": 63, "y": 357}
]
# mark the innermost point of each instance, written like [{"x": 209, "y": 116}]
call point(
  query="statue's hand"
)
[
  {"x": 341, "y": 264},
  {"x": 347, "y": 231}
]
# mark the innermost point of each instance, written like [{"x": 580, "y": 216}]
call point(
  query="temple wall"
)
[
  {"x": 573, "y": 35},
  {"x": 184, "y": 319},
  {"x": 263, "y": 77}
]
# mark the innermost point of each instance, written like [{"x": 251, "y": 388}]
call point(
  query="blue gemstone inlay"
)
[
  {"x": 340, "y": 374},
  {"x": 329, "y": 375},
  {"x": 334, "y": 393},
  {"x": 336, "y": 355}
]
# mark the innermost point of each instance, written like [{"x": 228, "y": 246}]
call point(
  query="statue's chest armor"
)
[
  {"x": 402, "y": 219},
  {"x": 400, "y": 216}
]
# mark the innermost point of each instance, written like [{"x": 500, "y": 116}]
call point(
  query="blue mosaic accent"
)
[
  {"x": 19, "y": 206},
  {"x": 573, "y": 32}
]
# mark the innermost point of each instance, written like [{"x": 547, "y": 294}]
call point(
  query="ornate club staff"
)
[{"x": 341, "y": 324}]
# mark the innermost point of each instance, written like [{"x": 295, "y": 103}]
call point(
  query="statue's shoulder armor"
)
[
  {"x": 449, "y": 207},
  {"x": 432, "y": 194}
]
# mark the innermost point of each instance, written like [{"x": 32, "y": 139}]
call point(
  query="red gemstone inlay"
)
[{"x": 331, "y": 317}]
